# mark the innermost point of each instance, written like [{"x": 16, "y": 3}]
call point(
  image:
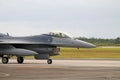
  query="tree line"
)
[{"x": 102, "y": 42}]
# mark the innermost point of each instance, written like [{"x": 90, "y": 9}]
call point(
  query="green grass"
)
[{"x": 89, "y": 53}]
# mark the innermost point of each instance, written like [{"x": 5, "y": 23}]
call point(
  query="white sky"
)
[{"x": 90, "y": 18}]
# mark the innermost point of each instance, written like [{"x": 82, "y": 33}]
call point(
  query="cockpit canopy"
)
[
  {"x": 4, "y": 35},
  {"x": 58, "y": 34}
]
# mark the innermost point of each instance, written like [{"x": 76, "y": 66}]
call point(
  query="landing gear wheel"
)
[
  {"x": 5, "y": 60},
  {"x": 20, "y": 60},
  {"x": 49, "y": 61}
]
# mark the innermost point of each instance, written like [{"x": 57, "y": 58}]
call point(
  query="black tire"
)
[
  {"x": 5, "y": 60},
  {"x": 20, "y": 60},
  {"x": 49, "y": 61}
]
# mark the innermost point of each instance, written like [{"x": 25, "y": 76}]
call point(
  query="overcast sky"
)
[{"x": 89, "y": 18}]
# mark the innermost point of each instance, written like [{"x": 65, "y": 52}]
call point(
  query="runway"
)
[{"x": 61, "y": 70}]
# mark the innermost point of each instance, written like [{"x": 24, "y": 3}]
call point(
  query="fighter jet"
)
[{"x": 42, "y": 47}]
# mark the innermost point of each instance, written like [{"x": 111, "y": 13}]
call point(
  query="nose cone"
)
[
  {"x": 89, "y": 45},
  {"x": 83, "y": 44}
]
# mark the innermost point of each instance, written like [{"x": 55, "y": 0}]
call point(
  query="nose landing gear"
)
[
  {"x": 20, "y": 60},
  {"x": 49, "y": 61}
]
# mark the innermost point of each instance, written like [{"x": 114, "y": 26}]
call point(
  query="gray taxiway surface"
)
[{"x": 61, "y": 70}]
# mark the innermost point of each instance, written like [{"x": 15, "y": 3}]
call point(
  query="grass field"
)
[{"x": 88, "y": 53}]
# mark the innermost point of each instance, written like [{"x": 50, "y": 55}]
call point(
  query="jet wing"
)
[{"x": 11, "y": 50}]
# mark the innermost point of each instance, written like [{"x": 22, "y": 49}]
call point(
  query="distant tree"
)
[
  {"x": 117, "y": 40},
  {"x": 101, "y": 42}
]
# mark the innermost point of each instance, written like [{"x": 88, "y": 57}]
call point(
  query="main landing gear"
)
[
  {"x": 5, "y": 60},
  {"x": 20, "y": 60}
]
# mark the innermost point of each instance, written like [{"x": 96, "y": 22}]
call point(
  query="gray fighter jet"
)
[{"x": 40, "y": 46}]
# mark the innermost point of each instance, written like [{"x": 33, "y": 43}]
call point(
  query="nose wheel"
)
[
  {"x": 49, "y": 61},
  {"x": 20, "y": 60}
]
